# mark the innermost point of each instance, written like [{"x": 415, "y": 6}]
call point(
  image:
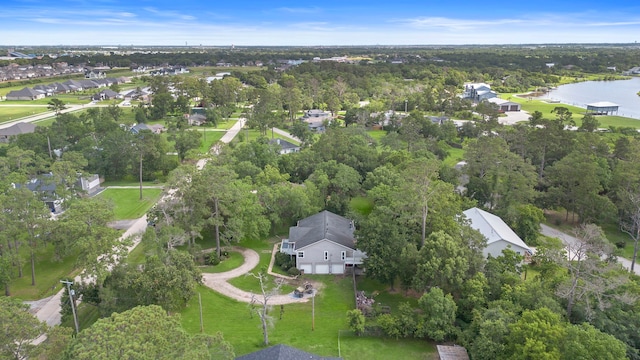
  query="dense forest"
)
[{"x": 411, "y": 230}]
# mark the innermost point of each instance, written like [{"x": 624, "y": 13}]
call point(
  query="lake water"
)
[{"x": 621, "y": 92}]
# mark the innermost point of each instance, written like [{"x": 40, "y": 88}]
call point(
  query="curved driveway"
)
[{"x": 218, "y": 282}]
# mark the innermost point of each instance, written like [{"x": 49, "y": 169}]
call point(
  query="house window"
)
[
  {"x": 343, "y": 255},
  {"x": 326, "y": 255},
  {"x": 301, "y": 254}
]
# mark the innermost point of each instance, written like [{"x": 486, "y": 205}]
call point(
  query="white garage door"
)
[
  {"x": 337, "y": 269},
  {"x": 305, "y": 268},
  {"x": 322, "y": 269}
]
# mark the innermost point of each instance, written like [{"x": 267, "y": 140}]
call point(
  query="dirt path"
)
[{"x": 218, "y": 282}]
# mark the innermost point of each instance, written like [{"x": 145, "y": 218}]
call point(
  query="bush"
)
[
  {"x": 621, "y": 244},
  {"x": 212, "y": 258},
  {"x": 293, "y": 271},
  {"x": 284, "y": 261}
]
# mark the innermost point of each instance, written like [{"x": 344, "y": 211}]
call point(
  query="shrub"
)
[
  {"x": 620, "y": 244},
  {"x": 284, "y": 261},
  {"x": 212, "y": 258},
  {"x": 293, "y": 271}
]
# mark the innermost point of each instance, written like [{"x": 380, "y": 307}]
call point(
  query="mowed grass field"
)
[
  {"x": 127, "y": 201},
  {"x": 336, "y": 297},
  {"x": 11, "y": 113}
]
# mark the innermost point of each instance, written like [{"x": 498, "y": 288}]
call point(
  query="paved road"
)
[
  {"x": 570, "y": 240},
  {"x": 49, "y": 311},
  {"x": 218, "y": 282},
  {"x": 226, "y": 138},
  {"x": 46, "y": 115}
]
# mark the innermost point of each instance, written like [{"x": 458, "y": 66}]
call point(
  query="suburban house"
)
[
  {"x": 283, "y": 352},
  {"x": 285, "y": 146},
  {"x": 323, "y": 244},
  {"x": 25, "y": 94},
  {"x": 196, "y": 119},
  {"x": 505, "y": 105},
  {"x": 154, "y": 128},
  {"x": 477, "y": 92},
  {"x": 317, "y": 119},
  {"x": 106, "y": 94},
  {"x": 45, "y": 186},
  {"x": 499, "y": 235},
  {"x": 15, "y": 130}
]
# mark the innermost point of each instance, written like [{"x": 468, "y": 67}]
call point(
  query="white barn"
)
[{"x": 499, "y": 235}]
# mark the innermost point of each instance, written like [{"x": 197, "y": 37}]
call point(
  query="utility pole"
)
[
  {"x": 73, "y": 303},
  {"x": 313, "y": 311},
  {"x": 201, "y": 322}
]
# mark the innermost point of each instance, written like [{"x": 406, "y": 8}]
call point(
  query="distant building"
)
[
  {"x": 283, "y": 352},
  {"x": 499, "y": 235},
  {"x": 505, "y": 105},
  {"x": 317, "y": 119},
  {"x": 602, "y": 108},
  {"x": 25, "y": 94},
  {"x": 477, "y": 92}
]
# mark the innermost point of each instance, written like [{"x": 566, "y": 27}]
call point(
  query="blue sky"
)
[{"x": 328, "y": 22}]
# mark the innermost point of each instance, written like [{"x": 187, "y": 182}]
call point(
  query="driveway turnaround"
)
[{"x": 218, "y": 282}]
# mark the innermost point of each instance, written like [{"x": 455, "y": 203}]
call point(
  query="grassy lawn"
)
[
  {"x": 127, "y": 201},
  {"x": 212, "y": 137},
  {"x": 242, "y": 330},
  {"x": 48, "y": 275},
  {"x": 383, "y": 295},
  {"x": 234, "y": 260},
  {"x": 455, "y": 156},
  {"x": 10, "y": 113},
  {"x": 130, "y": 182},
  {"x": 377, "y": 134},
  {"x": 263, "y": 248},
  {"x": 255, "y": 134},
  {"x": 225, "y": 124}
]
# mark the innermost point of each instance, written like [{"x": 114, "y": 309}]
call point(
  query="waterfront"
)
[{"x": 621, "y": 92}]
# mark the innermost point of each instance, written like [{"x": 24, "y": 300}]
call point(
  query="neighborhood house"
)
[
  {"x": 499, "y": 235},
  {"x": 323, "y": 244}
]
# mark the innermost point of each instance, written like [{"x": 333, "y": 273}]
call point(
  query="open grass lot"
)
[
  {"x": 255, "y": 134},
  {"x": 383, "y": 295},
  {"x": 212, "y": 137},
  {"x": 377, "y": 134},
  {"x": 225, "y": 124},
  {"x": 455, "y": 156},
  {"x": 130, "y": 182},
  {"x": 331, "y": 304},
  {"x": 545, "y": 108},
  {"x": 263, "y": 248},
  {"x": 48, "y": 275},
  {"x": 11, "y": 113},
  {"x": 212, "y": 70},
  {"x": 127, "y": 201}
]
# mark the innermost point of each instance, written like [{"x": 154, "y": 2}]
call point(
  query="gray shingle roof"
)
[
  {"x": 284, "y": 144},
  {"x": 321, "y": 226},
  {"x": 17, "y": 129},
  {"x": 283, "y": 352},
  {"x": 26, "y": 92}
]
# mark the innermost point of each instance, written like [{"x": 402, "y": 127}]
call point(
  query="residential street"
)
[{"x": 568, "y": 239}]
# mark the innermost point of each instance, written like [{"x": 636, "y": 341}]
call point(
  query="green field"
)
[
  {"x": 212, "y": 137},
  {"x": 74, "y": 99},
  {"x": 336, "y": 297},
  {"x": 255, "y": 134},
  {"x": 11, "y": 113},
  {"x": 127, "y": 201}
]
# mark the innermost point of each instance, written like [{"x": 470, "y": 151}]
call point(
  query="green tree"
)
[
  {"x": 356, "y": 321},
  {"x": 56, "y": 105},
  {"x": 145, "y": 332},
  {"x": 536, "y": 335},
  {"x": 439, "y": 315},
  {"x": 18, "y": 328},
  {"x": 187, "y": 140}
]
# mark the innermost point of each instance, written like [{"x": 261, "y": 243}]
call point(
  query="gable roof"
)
[
  {"x": 493, "y": 227},
  {"x": 18, "y": 128},
  {"x": 283, "y": 352},
  {"x": 455, "y": 352},
  {"x": 284, "y": 144},
  {"x": 321, "y": 226},
  {"x": 26, "y": 92}
]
